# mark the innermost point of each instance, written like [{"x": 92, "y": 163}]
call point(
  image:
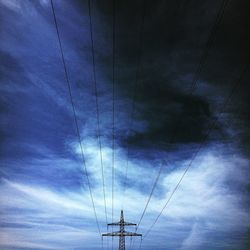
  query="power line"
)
[
  {"x": 150, "y": 195},
  {"x": 140, "y": 244},
  {"x": 197, "y": 73},
  {"x": 74, "y": 113},
  {"x": 149, "y": 198},
  {"x": 235, "y": 86},
  {"x": 209, "y": 43},
  {"x": 138, "y": 67},
  {"x": 113, "y": 116},
  {"x": 202, "y": 61},
  {"x": 97, "y": 109}
]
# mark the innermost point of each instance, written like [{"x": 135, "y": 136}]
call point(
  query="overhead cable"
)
[{"x": 75, "y": 117}]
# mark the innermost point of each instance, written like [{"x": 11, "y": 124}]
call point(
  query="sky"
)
[{"x": 172, "y": 103}]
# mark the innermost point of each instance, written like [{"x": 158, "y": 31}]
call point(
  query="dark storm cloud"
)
[
  {"x": 154, "y": 83},
  {"x": 174, "y": 38},
  {"x": 162, "y": 107}
]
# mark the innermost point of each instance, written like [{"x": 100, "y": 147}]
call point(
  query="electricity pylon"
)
[{"x": 121, "y": 233}]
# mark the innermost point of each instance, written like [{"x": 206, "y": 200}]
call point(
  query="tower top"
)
[{"x": 122, "y": 233}]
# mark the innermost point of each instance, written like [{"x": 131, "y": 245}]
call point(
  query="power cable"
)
[
  {"x": 150, "y": 195},
  {"x": 201, "y": 64},
  {"x": 235, "y": 86},
  {"x": 148, "y": 200},
  {"x": 97, "y": 108},
  {"x": 209, "y": 43},
  {"x": 74, "y": 113},
  {"x": 138, "y": 67},
  {"x": 140, "y": 244},
  {"x": 113, "y": 116}
]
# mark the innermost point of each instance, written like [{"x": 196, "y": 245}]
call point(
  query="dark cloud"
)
[
  {"x": 172, "y": 115},
  {"x": 174, "y": 38}
]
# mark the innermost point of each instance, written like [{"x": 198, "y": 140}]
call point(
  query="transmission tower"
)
[{"x": 121, "y": 233}]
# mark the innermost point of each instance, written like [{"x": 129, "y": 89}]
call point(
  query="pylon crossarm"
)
[
  {"x": 114, "y": 224},
  {"x": 110, "y": 234},
  {"x": 121, "y": 234},
  {"x": 129, "y": 224},
  {"x": 122, "y": 223},
  {"x": 131, "y": 234}
]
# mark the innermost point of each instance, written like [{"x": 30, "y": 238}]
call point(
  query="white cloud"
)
[
  {"x": 194, "y": 239},
  {"x": 11, "y": 4},
  {"x": 203, "y": 199}
]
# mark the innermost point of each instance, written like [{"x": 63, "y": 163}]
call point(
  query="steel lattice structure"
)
[{"x": 122, "y": 233}]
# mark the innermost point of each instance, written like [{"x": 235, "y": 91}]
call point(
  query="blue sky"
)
[{"x": 45, "y": 202}]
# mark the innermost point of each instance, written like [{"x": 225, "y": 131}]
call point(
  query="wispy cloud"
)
[{"x": 203, "y": 201}]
